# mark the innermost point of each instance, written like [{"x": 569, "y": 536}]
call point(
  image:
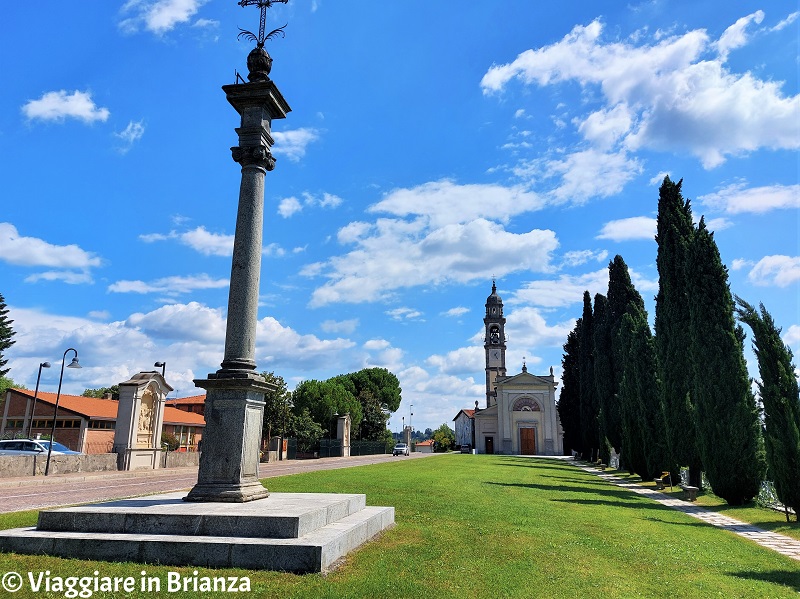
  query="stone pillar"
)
[
  {"x": 343, "y": 434},
  {"x": 235, "y": 394}
]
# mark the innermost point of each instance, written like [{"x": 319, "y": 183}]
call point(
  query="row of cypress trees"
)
[{"x": 682, "y": 396}]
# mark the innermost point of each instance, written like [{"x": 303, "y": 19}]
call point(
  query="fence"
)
[{"x": 370, "y": 447}]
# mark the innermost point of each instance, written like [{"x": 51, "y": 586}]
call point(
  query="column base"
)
[{"x": 227, "y": 493}]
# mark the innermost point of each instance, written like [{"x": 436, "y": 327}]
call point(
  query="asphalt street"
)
[{"x": 37, "y": 492}]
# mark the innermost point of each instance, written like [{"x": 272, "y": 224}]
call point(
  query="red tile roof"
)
[
  {"x": 106, "y": 409},
  {"x": 428, "y": 442},
  {"x": 187, "y": 401},
  {"x": 469, "y": 413}
]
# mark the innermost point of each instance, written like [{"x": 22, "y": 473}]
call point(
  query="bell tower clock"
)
[{"x": 494, "y": 344}]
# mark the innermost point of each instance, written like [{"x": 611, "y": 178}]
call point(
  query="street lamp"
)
[
  {"x": 36, "y": 395},
  {"x": 410, "y": 414},
  {"x": 73, "y": 364},
  {"x": 163, "y": 366}
]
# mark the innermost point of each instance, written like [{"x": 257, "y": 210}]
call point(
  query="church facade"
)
[{"x": 520, "y": 416}]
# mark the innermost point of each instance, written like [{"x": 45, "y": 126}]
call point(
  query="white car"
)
[
  {"x": 400, "y": 449},
  {"x": 29, "y": 447}
]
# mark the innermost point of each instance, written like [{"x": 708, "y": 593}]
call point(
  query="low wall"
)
[
  {"x": 181, "y": 459},
  {"x": 29, "y": 465}
]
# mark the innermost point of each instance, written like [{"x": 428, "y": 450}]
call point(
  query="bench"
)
[
  {"x": 661, "y": 481},
  {"x": 689, "y": 492}
]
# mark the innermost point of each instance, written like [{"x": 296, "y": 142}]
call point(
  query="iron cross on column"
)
[{"x": 263, "y": 5}]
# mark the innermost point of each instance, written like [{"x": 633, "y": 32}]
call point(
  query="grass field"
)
[{"x": 501, "y": 526}]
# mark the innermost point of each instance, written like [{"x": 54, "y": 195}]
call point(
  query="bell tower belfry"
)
[{"x": 495, "y": 344}]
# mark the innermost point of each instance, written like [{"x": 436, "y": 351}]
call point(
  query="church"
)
[{"x": 520, "y": 416}]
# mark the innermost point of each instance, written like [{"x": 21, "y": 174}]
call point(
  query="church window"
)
[{"x": 526, "y": 404}]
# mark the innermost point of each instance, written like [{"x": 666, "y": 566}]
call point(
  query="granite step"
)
[{"x": 280, "y": 516}]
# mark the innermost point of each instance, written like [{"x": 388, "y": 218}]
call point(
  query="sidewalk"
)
[
  {"x": 777, "y": 542},
  {"x": 265, "y": 470}
]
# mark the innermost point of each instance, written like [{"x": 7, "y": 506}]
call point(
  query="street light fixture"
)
[
  {"x": 73, "y": 364},
  {"x": 36, "y": 395},
  {"x": 163, "y": 366}
]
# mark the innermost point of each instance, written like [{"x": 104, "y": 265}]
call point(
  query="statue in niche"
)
[{"x": 146, "y": 416}]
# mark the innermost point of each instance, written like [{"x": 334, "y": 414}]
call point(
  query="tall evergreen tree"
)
[
  {"x": 779, "y": 395},
  {"x": 640, "y": 397},
  {"x": 569, "y": 401},
  {"x": 726, "y": 416},
  {"x": 672, "y": 330},
  {"x": 589, "y": 406},
  {"x": 6, "y": 334},
  {"x": 604, "y": 380}
]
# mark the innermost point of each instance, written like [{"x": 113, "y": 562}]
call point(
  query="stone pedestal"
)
[
  {"x": 231, "y": 441},
  {"x": 343, "y": 434}
]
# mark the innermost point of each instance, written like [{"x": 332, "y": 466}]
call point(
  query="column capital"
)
[{"x": 253, "y": 156}]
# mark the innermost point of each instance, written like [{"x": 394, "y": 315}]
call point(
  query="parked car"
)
[
  {"x": 30, "y": 447},
  {"x": 400, "y": 449}
]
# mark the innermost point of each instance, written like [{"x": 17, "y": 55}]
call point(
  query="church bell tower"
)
[{"x": 495, "y": 344}]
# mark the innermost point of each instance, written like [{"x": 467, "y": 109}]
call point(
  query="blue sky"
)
[{"x": 430, "y": 147}]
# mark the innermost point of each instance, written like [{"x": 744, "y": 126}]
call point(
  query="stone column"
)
[{"x": 234, "y": 405}]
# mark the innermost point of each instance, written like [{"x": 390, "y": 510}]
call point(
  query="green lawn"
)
[{"x": 502, "y": 526}]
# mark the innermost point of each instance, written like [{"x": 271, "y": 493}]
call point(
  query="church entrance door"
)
[
  {"x": 489, "y": 444},
  {"x": 527, "y": 441}
]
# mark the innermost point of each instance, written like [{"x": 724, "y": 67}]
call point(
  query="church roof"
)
[{"x": 525, "y": 376}]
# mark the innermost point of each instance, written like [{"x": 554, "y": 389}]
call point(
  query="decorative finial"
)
[
  {"x": 551, "y": 371},
  {"x": 259, "y": 62},
  {"x": 524, "y": 366}
]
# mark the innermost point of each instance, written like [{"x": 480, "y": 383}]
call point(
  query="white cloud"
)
[
  {"x": 206, "y": 23},
  {"x": 464, "y": 360},
  {"x": 289, "y": 206},
  {"x": 130, "y": 135},
  {"x": 376, "y": 344},
  {"x": 283, "y": 346},
  {"x": 57, "y": 106},
  {"x": 159, "y": 16},
  {"x": 787, "y": 21},
  {"x": 456, "y": 312},
  {"x": 293, "y": 143},
  {"x": 780, "y": 271},
  {"x": 169, "y": 285},
  {"x": 583, "y": 174},
  {"x": 792, "y": 336},
  {"x": 445, "y": 202},
  {"x": 735, "y": 36},
  {"x": 605, "y": 127},
  {"x": 31, "y": 251},
  {"x": 527, "y": 328},
  {"x": 519, "y": 113},
  {"x": 740, "y": 263},
  {"x": 578, "y": 257},
  {"x": 182, "y": 322},
  {"x": 718, "y": 224},
  {"x": 568, "y": 289},
  {"x": 737, "y": 198},
  {"x": 659, "y": 178},
  {"x": 342, "y": 326},
  {"x": 626, "y": 229},
  {"x": 564, "y": 291},
  {"x": 388, "y": 257},
  {"x": 677, "y": 101},
  {"x": 208, "y": 243},
  {"x": 66, "y": 276},
  {"x": 404, "y": 314}
]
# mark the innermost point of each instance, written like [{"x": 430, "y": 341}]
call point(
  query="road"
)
[{"x": 39, "y": 492}]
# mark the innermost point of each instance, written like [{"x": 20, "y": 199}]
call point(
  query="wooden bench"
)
[{"x": 689, "y": 492}]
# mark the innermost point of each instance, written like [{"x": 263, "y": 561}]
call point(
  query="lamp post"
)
[
  {"x": 163, "y": 366},
  {"x": 36, "y": 395},
  {"x": 410, "y": 414},
  {"x": 73, "y": 364}
]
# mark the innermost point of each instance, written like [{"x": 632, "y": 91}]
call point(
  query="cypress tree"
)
[
  {"x": 781, "y": 400},
  {"x": 589, "y": 407},
  {"x": 6, "y": 334},
  {"x": 672, "y": 328},
  {"x": 604, "y": 380},
  {"x": 726, "y": 417},
  {"x": 640, "y": 397},
  {"x": 569, "y": 401}
]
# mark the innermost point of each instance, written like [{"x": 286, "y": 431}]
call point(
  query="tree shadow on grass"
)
[
  {"x": 790, "y": 579},
  {"x": 645, "y": 505}
]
